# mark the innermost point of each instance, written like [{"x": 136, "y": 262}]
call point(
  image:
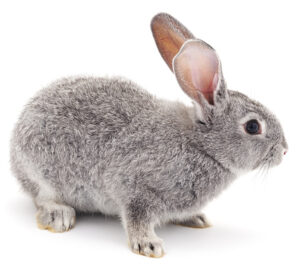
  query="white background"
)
[{"x": 255, "y": 222}]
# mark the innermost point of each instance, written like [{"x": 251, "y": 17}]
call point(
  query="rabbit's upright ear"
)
[
  {"x": 198, "y": 71},
  {"x": 169, "y": 35},
  {"x": 194, "y": 62}
]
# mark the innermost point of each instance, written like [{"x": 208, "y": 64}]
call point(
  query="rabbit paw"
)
[
  {"x": 55, "y": 218},
  {"x": 147, "y": 247},
  {"x": 198, "y": 221}
]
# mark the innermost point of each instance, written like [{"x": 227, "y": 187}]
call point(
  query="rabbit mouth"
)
[{"x": 272, "y": 158}]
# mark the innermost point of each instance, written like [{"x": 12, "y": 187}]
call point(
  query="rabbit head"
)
[{"x": 238, "y": 132}]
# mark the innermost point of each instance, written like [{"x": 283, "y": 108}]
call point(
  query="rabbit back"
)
[{"x": 66, "y": 130}]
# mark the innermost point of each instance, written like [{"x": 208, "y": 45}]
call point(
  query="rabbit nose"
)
[{"x": 285, "y": 146}]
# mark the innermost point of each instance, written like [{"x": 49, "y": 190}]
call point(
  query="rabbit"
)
[{"x": 105, "y": 145}]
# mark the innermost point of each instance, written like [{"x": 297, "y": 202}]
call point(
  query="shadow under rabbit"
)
[{"x": 98, "y": 227}]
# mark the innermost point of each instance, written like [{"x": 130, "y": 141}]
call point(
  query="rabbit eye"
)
[{"x": 252, "y": 127}]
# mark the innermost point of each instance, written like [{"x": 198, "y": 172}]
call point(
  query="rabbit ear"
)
[
  {"x": 198, "y": 70},
  {"x": 169, "y": 35}
]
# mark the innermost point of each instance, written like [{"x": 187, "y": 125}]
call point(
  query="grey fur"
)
[{"x": 106, "y": 145}]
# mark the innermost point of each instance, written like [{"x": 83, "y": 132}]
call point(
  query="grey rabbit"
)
[{"x": 89, "y": 144}]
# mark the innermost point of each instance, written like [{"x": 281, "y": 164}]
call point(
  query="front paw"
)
[
  {"x": 147, "y": 247},
  {"x": 198, "y": 221}
]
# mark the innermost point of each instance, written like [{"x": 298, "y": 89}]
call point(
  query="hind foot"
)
[
  {"x": 55, "y": 217},
  {"x": 198, "y": 221}
]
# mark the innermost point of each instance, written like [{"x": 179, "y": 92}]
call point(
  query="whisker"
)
[{"x": 262, "y": 171}]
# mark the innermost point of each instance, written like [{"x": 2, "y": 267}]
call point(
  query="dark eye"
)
[{"x": 252, "y": 127}]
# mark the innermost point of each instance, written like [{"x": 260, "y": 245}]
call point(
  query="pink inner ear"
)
[
  {"x": 197, "y": 66},
  {"x": 209, "y": 93}
]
